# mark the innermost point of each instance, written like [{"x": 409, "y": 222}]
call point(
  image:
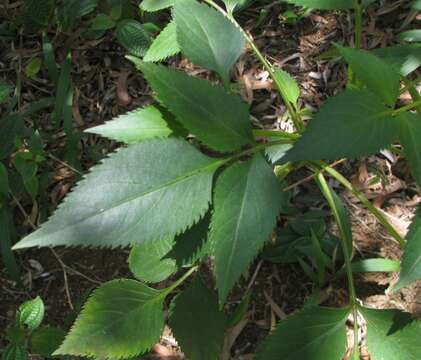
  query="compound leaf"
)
[
  {"x": 144, "y": 192},
  {"x": 351, "y": 124},
  {"x": 164, "y": 45},
  {"x": 314, "y": 333},
  {"x": 375, "y": 73},
  {"x": 122, "y": 318},
  {"x": 135, "y": 126},
  {"x": 247, "y": 201},
  {"x": 216, "y": 117},
  {"x": 207, "y": 37},
  {"x": 392, "y": 335},
  {"x": 410, "y": 135},
  {"x": 146, "y": 260},
  {"x": 411, "y": 261},
  {"x": 155, "y": 5},
  {"x": 198, "y": 325}
]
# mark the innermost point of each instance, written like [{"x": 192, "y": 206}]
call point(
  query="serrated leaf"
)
[
  {"x": 206, "y": 37},
  {"x": 146, "y": 261},
  {"x": 155, "y": 5},
  {"x": 410, "y": 135},
  {"x": 133, "y": 37},
  {"x": 164, "y": 45},
  {"x": 46, "y": 340},
  {"x": 198, "y": 325},
  {"x": 329, "y": 4},
  {"x": 15, "y": 352},
  {"x": 216, "y": 117},
  {"x": 288, "y": 85},
  {"x": 141, "y": 193},
  {"x": 405, "y": 58},
  {"x": 314, "y": 333},
  {"x": 135, "y": 126},
  {"x": 375, "y": 73},
  {"x": 122, "y": 318},
  {"x": 31, "y": 313},
  {"x": 351, "y": 124},
  {"x": 247, "y": 201},
  {"x": 411, "y": 261},
  {"x": 392, "y": 335}
]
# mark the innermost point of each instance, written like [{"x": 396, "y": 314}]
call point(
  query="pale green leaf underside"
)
[
  {"x": 219, "y": 119},
  {"x": 247, "y": 201},
  {"x": 410, "y": 136},
  {"x": 155, "y": 5},
  {"x": 146, "y": 260},
  {"x": 374, "y": 72},
  {"x": 164, "y": 45},
  {"x": 135, "y": 126},
  {"x": 351, "y": 124},
  {"x": 207, "y": 37},
  {"x": 144, "y": 192},
  {"x": 122, "y": 318},
  {"x": 411, "y": 261},
  {"x": 197, "y": 323},
  {"x": 314, "y": 333},
  {"x": 392, "y": 335},
  {"x": 329, "y": 4}
]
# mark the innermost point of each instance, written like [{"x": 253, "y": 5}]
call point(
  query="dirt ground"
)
[{"x": 107, "y": 85}]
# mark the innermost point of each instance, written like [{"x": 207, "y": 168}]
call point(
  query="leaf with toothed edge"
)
[
  {"x": 145, "y": 192},
  {"x": 121, "y": 319},
  {"x": 135, "y": 126},
  {"x": 218, "y": 118},
  {"x": 164, "y": 46},
  {"x": 247, "y": 201},
  {"x": 155, "y": 5}
]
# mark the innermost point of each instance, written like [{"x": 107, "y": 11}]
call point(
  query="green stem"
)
[
  {"x": 413, "y": 105},
  {"x": 180, "y": 280},
  {"x": 360, "y": 196},
  {"x": 275, "y": 133},
  {"x": 298, "y": 123},
  {"x": 358, "y": 25}
]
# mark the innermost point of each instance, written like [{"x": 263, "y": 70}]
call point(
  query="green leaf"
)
[
  {"x": 36, "y": 13},
  {"x": 374, "y": 72},
  {"x": 164, "y": 45},
  {"x": 206, "y": 37},
  {"x": 416, "y": 4},
  {"x": 234, "y": 5},
  {"x": 146, "y": 261},
  {"x": 411, "y": 261},
  {"x": 102, "y": 22},
  {"x": 15, "y": 352},
  {"x": 4, "y": 180},
  {"x": 144, "y": 192},
  {"x": 49, "y": 58},
  {"x": 31, "y": 313},
  {"x": 46, "y": 340},
  {"x": 133, "y": 37},
  {"x": 329, "y": 4},
  {"x": 135, "y": 126},
  {"x": 7, "y": 255},
  {"x": 216, "y": 117},
  {"x": 5, "y": 91},
  {"x": 314, "y": 333},
  {"x": 410, "y": 36},
  {"x": 351, "y": 124},
  {"x": 375, "y": 265},
  {"x": 63, "y": 86},
  {"x": 122, "y": 318},
  {"x": 155, "y": 5},
  {"x": 197, "y": 323},
  {"x": 247, "y": 201},
  {"x": 392, "y": 335},
  {"x": 410, "y": 135},
  {"x": 11, "y": 126},
  {"x": 71, "y": 10},
  {"x": 288, "y": 85},
  {"x": 405, "y": 58}
]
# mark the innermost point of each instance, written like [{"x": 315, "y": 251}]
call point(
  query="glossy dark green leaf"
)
[
  {"x": 102, "y": 22},
  {"x": 247, "y": 202},
  {"x": 206, "y": 37},
  {"x": 218, "y": 118},
  {"x": 198, "y": 325},
  {"x": 314, "y": 333},
  {"x": 141, "y": 193},
  {"x": 351, "y": 124},
  {"x": 392, "y": 335},
  {"x": 15, "y": 352},
  {"x": 121, "y": 319}
]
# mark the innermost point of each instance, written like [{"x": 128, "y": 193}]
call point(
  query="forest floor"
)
[{"x": 107, "y": 85}]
